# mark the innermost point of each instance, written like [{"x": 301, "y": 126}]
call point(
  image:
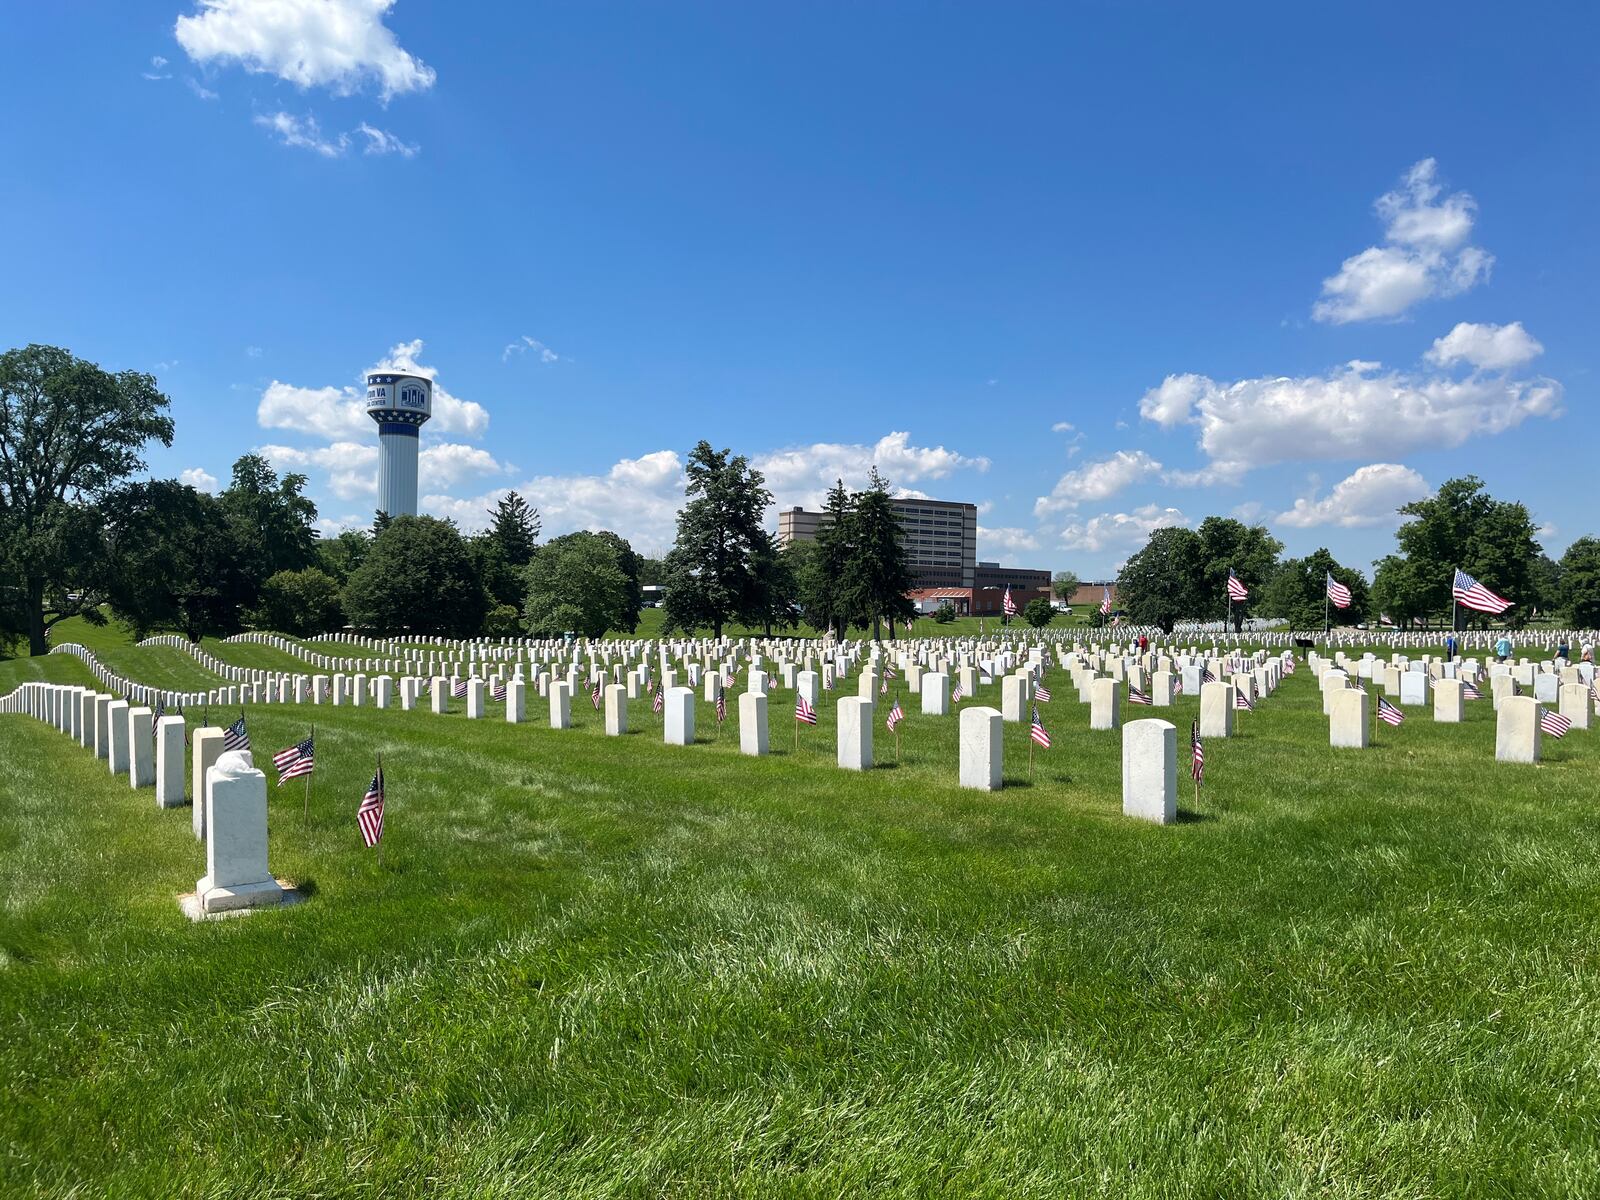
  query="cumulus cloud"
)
[
  {"x": 1097, "y": 481},
  {"x": 1359, "y": 411},
  {"x": 993, "y": 542},
  {"x": 1118, "y": 531},
  {"x": 339, "y": 414},
  {"x": 803, "y": 474},
  {"x": 352, "y": 467},
  {"x": 339, "y": 44},
  {"x": 1486, "y": 347},
  {"x": 1424, "y": 254},
  {"x": 638, "y": 498},
  {"x": 1368, "y": 497},
  {"x": 303, "y": 133},
  {"x": 1062, "y": 427},
  {"x": 198, "y": 478}
]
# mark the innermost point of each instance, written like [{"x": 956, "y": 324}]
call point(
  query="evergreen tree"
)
[
  {"x": 710, "y": 571},
  {"x": 836, "y": 537},
  {"x": 877, "y": 573}
]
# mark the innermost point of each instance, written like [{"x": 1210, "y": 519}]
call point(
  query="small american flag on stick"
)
[
  {"x": 1554, "y": 723},
  {"x": 1389, "y": 712},
  {"x": 297, "y": 760},
  {"x": 369, "y": 816},
  {"x": 1197, "y": 753},
  {"x": 803, "y": 711},
  {"x": 235, "y": 736},
  {"x": 1037, "y": 731}
]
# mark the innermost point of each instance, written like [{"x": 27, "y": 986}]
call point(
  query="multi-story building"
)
[{"x": 940, "y": 537}]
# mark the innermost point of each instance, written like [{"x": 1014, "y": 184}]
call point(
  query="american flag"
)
[
  {"x": 1135, "y": 696},
  {"x": 1236, "y": 590},
  {"x": 1288, "y": 665},
  {"x": 458, "y": 689},
  {"x": 1594, "y": 692},
  {"x": 1469, "y": 690},
  {"x": 1007, "y": 604},
  {"x": 1042, "y": 693},
  {"x": 1197, "y": 753},
  {"x": 1472, "y": 594},
  {"x": 1206, "y": 675},
  {"x": 497, "y": 690},
  {"x": 1388, "y": 712},
  {"x": 1241, "y": 699},
  {"x": 1337, "y": 592},
  {"x": 594, "y": 694},
  {"x": 803, "y": 710},
  {"x": 955, "y": 696},
  {"x": 722, "y": 707},
  {"x": 155, "y": 720},
  {"x": 235, "y": 737},
  {"x": 883, "y": 688},
  {"x": 370, "y": 815},
  {"x": 889, "y": 672},
  {"x": 1177, "y": 685},
  {"x": 727, "y": 680},
  {"x": 294, "y": 762},
  {"x": 656, "y": 701},
  {"x": 1037, "y": 730},
  {"x": 896, "y": 715},
  {"x": 1554, "y": 723},
  {"x": 1105, "y": 603}
]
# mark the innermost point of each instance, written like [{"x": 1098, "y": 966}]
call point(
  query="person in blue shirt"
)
[
  {"x": 1450, "y": 648},
  {"x": 1563, "y": 651},
  {"x": 1502, "y": 648}
]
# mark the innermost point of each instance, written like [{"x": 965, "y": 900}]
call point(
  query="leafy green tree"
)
[
  {"x": 339, "y": 556},
  {"x": 776, "y": 586},
  {"x": 578, "y": 583},
  {"x": 877, "y": 571},
  {"x": 1462, "y": 526},
  {"x": 1298, "y": 589},
  {"x": 1580, "y": 583},
  {"x": 1397, "y": 592},
  {"x": 502, "y": 621},
  {"x": 1065, "y": 585},
  {"x": 1252, "y": 554},
  {"x": 69, "y": 433},
  {"x": 419, "y": 577},
  {"x": 651, "y": 570},
  {"x": 304, "y": 603},
  {"x": 1157, "y": 585},
  {"x": 710, "y": 571},
  {"x": 633, "y": 603},
  {"x": 945, "y": 614},
  {"x": 1038, "y": 612},
  {"x": 172, "y": 561},
  {"x": 813, "y": 589},
  {"x": 273, "y": 522}
]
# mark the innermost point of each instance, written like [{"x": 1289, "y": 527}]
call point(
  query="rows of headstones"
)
[{"x": 1520, "y": 692}]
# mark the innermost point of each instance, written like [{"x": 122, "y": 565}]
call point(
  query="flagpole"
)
[{"x": 385, "y": 809}]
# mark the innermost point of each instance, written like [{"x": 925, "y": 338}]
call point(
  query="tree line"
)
[{"x": 1181, "y": 573}]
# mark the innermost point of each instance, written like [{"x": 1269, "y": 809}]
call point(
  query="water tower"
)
[{"x": 399, "y": 403}]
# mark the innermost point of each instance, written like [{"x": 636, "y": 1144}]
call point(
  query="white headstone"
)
[
  {"x": 1517, "y": 733},
  {"x": 616, "y": 701},
  {"x": 1150, "y": 771},
  {"x": 753, "y": 723},
  {"x": 679, "y": 717},
  {"x": 982, "y": 746},
  {"x": 561, "y": 705},
  {"x": 1105, "y": 704},
  {"x": 855, "y": 733},
  {"x": 169, "y": 762},
  {"x": 1349, "y": 727},
  {"x": 236, "y": 838},
  {"x": 141, "y": 748}
]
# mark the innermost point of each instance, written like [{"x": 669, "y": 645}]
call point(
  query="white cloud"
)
[
  {"x": 1355, "y": 412},
  {"x": 1424, "y": 256},
  {"x": 253, "y": 351},
  {"x": 1097, "y": 481},
  {"x": 199, "y": 89},
  {"x": 1062, "y": 427},
  {"x": 1118, "y": 531},
  {"x": 525, "y": 343},
  {"x": 352, "y": 467},
  {"x": 198, "y": 478},
  {"x": 338, "y": 44},
  {"x": 638, "y": 498},
  {"x": 1487, "y": 347},
  {"x": 381, "y": 141},
  {"x": 339, "y": 414},
  {"x": 1368, "y": 497},
  {"x": 155, "y": 72},
  {"x": 303, "y": 133},
  {"x": 991, "y": 542},
  {"x": 803, "y": 474}
]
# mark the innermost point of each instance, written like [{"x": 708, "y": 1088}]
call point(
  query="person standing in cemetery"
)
[
  {"x": 1450, "y": 648},
  {"x": 1502, "y": 648},
  {"x": 1563, "y": 651}
]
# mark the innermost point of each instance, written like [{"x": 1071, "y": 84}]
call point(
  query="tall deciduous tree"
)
[
  {"x": 1398, "y": 592},
  {"x": 1065, "y": 585},
  {"x": 1248, "y": 550},
  {"x": 710, "y": 571},
  {"x": 303, "y": 603},
  {"x": 1298, "y": 589},
  {"x": 273, "y": 521},
  {"x": 172, "y": 561},
  {"x": 1157, "y": 585},
  {"x": 580, "y": 583},
  {"x": 1580, "y": 583},
  {"x": 1462, "y": 526},
  {"x": 418, "y": 577},
  {"x": 69, "y": 433}
]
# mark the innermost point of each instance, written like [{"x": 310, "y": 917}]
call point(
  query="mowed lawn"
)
[{"x": 607, "y": 967}]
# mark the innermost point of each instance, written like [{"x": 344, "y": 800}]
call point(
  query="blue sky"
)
[{"x": 1094, "y": 267}]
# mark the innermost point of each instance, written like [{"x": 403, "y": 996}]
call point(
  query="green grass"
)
[{"x": 607, "y": 967}]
